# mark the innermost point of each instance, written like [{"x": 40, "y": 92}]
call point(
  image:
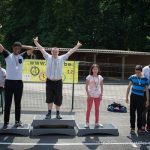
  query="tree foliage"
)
[{"x": 107, "y": 24}]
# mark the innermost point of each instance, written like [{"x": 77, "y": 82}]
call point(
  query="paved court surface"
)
[{"x": 33, "y": 103}]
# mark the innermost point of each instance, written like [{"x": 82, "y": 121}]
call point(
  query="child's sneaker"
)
[
  {"x": 141, "y": 131},
  {"x": 97, "y": 125},
  {"x": 19, "y": 124},
  {"x": 58, "y": 116},
  {"x": 132, "y": 131},
  {"x": 5, "y": 126},
  {"x": 48, "y": 116},
  {"x": 86, "y": 125},
  {"x": 148, "y": 128}
]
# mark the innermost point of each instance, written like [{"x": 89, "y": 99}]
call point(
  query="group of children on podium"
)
[{"x": 139, "y": 98}]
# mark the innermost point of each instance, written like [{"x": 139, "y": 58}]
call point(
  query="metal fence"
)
[{"x": 74, "y": 95}]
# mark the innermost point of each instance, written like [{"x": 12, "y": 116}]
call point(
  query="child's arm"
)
[
  {"x": 147, "y": 96},
  {"x": 86, "y": 88},
  {"x": 71, "y": 51},
  {"x": 45, "y": 54},
  {"x": 101, "y": 85},
  {"x": 127, "y": 92}
]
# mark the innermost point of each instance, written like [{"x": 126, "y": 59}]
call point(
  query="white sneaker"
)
[
  {"x": 97, "y": 125},
  {"x": 86, "y": 125}
]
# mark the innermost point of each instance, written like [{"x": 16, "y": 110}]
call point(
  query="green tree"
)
[{"x": 108, "y": 24}]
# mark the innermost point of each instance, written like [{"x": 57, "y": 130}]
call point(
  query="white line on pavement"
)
[{"x": 134, "y": 144}]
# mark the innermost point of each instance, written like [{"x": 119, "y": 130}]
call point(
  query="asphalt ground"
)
[{"x": 33, "y": 103}]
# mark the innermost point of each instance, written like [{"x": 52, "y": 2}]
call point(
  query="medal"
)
[
  {"x": 96, "y": 89},
  {"x": 16, "y": 61},
  {"x": 96, "y": 84},
  {"x": 139, "y": 80}
]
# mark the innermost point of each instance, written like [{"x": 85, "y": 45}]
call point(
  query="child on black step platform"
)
[{"x": 94, "y": 89}]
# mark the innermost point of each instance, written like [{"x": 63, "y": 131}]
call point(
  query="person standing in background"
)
[
  {"x": 2, "y": 77},
  {"x": 146, "y": 113},
  {"x": 29, "y": 53},
  {"x": 2, "y": 81},
  {"x": 139, "y": 84}
]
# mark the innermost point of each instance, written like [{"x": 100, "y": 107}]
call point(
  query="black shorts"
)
[{"x": 54, "y": 92}]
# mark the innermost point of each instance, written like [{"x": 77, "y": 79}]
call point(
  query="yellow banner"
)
[{"x": 35, "y": 71}]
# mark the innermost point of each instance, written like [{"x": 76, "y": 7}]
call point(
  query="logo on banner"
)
[{"x": 34, "y": 70}]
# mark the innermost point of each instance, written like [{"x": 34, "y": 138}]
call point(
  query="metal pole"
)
[
  {"x": 123, "y": 66},
  {"x": 73, "y": 86},
  {"x": 94, "y": 58}
]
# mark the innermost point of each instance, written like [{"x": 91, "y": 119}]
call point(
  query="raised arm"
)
[
  {"x": 1, "y": 48},
  {"x": 45, "y": 54},
  {"x": 4, "y": 51},
  {"x": 71, "y": 51},
  {"x": 28, "y": 52},
  {"x": 27, "y": 47}
]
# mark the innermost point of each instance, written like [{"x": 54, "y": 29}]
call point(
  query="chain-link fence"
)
[{"x": 74, "y": 95}]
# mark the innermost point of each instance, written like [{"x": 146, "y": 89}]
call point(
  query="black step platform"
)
[
  {"x": 108, "y": 129},
  {"x": 42, "y": 126},
  {"x": 11, "y": 129}
]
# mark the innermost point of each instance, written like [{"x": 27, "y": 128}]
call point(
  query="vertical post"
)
[
  {"x": 94, "y": 58},
  {"x": 73, "y": 86},
  {"x": 123, "y": 66},
  {"x": 107, "y": 70}
]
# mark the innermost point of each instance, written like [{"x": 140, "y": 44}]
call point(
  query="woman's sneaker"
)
[
  {"x": 132, "y": 132},
  {"x": 97, "y": 125},
  {"x": 86, "y": 125}
]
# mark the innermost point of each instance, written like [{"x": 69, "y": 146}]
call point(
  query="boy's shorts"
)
[{"x": 54, "y": 92}]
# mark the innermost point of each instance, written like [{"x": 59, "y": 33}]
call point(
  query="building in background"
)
[{"x": 114, "y": 64}]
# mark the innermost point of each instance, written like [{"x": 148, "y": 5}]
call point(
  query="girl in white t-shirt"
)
[{"x": 94, "y": 89}]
